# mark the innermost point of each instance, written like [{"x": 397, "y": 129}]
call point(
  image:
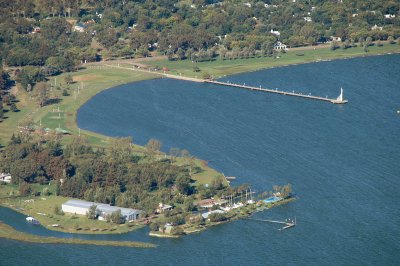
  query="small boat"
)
[
  {"x": 32, "y": 220},
  {"x": 339, "y": 99}
]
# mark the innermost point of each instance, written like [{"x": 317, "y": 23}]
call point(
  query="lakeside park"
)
[{"x": 94, "y": 77}]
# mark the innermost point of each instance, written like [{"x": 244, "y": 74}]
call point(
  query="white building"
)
[
  {"x": 275, "y": 32},
  {"x": 82, "y": 207},
  {"x": 6, "y": 178},
  {"x": 375, "y": 27},
  {"x": 307, "y": 19},
  {"x": 336, "y": 39},
  {"x": 79, "y": 28},
  {"x": 280, "y": 46},
  {"x": 390, "y": 16}
]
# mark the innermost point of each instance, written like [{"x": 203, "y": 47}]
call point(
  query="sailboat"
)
[{"x": 339, "y": 99}]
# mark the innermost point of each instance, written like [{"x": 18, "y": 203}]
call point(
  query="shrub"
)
[{"x": 57, "y": 210}]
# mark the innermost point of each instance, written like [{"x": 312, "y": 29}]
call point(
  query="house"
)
[
  {"x": 36, "y": 30},
  {"x": 6, "y": 178},
  {"x": 375, "y": 27},
  {"x": 307, "y": 19},
  {"x": 389, "y": 16},
  {"x": 336, "y": 39},
  {"x": 275, "y": 32},
  {"x": 247, "y": 4},
  {"x": 79, "y": 27},
  {"x": 206, "y": 214},
  {"x": 206, "y": 203},
  {"x": 163, "y": 207},
  {"x": 354, "y": 15},
  {"x": 279, "y": 46},
  {"x": 82, "y": 207}
]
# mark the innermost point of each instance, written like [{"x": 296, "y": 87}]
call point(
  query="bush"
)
[
  {"x": 176, "y": 230},
  {"x": 25, "y": 189},
  {"x": 57, "y": 210},
  {"x": 65, "y": 92},
  {"x": 46, "y": 192},
  {"x": 217, "y": 217}
]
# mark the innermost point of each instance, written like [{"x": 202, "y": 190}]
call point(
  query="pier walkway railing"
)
[{"x": 180, "y": 77}]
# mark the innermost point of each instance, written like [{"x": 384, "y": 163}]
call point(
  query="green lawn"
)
[
  {"x": 9, "y": 232},
  {"x": 93, "y": 82},
  {"x": 42, "y": 208},
  {"x": 219, "y": 68}
]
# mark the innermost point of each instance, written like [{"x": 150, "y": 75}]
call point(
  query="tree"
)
[
  {"x": 177, "y": 230},
  {"x": 68, "y": 79},
  {"x": 391, "y": 40},
  {"x": 334, "y": 46},
  {"x": 42, "y": 93},
  {"x": 57, "y": 210},
  {"x": 24, "y": 189},
  {"x": 1, "y": 109},
  {"x": 365, "y": 48},
  {"x": 368, "y": 41},
  {"x": 13, "y": 107},
  {"x": 206, "y": 75},
  {"x": 183, "y": 184},
  {"x": 92, "y": 212},
  {"x": 217, "y": 217},
  {"x": 153, "y": 146},
  {"x": 180, "y": 54},
  {"x": 116, "y": 217},
  {"x": 188, "y": 205}
]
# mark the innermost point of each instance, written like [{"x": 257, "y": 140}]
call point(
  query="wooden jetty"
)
[
  {"x": 288, "y": 224},
  {"x": 338, "y": 100}
]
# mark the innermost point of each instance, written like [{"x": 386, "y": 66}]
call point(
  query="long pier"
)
[
  {"x": 288, "y": 224},
  {"x": 338, "y": 100},
  {"x": 326, "y": 99}
]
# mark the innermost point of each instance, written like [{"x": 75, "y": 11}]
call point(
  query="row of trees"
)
[
  {"x": 128, "y": 28},
  {"x": 116, "y": 176}
]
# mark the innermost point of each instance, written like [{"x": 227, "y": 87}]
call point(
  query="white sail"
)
[{"x": 340, "y": 97}]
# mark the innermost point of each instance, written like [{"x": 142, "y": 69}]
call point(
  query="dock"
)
[
  {"x": 338, "y": 100},
  {"x": 288, "y": 223}
]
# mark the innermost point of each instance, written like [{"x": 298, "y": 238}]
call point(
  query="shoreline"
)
[{"x": 9, "y": 232}]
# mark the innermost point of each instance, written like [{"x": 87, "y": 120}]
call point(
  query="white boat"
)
[
  {"x": 339, "y": 99},
  {"x": 32, "y": 220}
]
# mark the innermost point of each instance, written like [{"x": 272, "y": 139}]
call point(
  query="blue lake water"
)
[{"x": 342, "y": 160}]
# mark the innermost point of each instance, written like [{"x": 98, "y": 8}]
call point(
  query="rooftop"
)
[{"x": 100, "y": 206}]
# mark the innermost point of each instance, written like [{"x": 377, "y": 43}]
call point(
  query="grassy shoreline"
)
[
  {"x": 9, "y": 232},
  {"x": 220, "y": 68},
  {"x": 97, "y": 78}
]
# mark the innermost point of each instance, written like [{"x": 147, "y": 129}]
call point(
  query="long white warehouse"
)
[{"x": 82, "y": 207}]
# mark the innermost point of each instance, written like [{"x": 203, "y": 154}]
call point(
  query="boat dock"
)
[
  {"x": 288, "y": 223},
  {"x": 338, "y": 100}
]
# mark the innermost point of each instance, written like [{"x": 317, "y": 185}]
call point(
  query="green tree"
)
[
  {"x": 42, "y": 93},
  {"x": 92, "y": 213},
  {"x": 153, "y": 146},
  {"x": 180, "y": 54},
  {"x": 116, "y": 217},
  {"x": 1, "y": 109},
  {"x": 217, "y": 217},
  {"x": 57, "y": 210},
  {"x": 68, "y": 79}
]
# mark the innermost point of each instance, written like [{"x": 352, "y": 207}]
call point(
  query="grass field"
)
[
  {"x": 219, "y": 68},
  {"x": 42, "y": 208},
  {"x": 92, "y": 80},
  {"x": 9, "y": 232}
]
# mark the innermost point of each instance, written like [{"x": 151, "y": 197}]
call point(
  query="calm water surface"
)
[{"x": 343, "y": 162}]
